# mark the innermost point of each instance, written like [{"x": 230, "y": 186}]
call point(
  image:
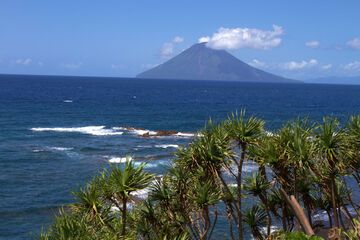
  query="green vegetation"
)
[{"x": 303, "y": 167}]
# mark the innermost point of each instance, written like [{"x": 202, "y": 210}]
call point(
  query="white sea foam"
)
[
  {"x": 114, "y": 209},
  {"x": 167, "y": 146},
  {"x": 91, "y": 130},
  {"x": 120, "y": 159},
  {"x": 37, "y": 150},
  {"x": 68, "y": 101},
  {"x": 152, "y": 133},
  {"x": 321, "y": 216},
  {"x": 269, "y": 134},
  {"x": 143, "y": 146},
  {"x": 119, "y": 128},
  {"x": 136, "y": 131},
  {"x": 186, "y": 135},
  {"x": 142, "y": 194},
  {"x": 141, "y": 132},
  {"x": 139, "y": 194},
  {"x": 273, "y": 228},
  {"x": 155, "y": 163},
  {"x": 60, "y": 148}
]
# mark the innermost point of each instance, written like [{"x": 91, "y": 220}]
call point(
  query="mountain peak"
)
[{"x": 200, "y": 62}]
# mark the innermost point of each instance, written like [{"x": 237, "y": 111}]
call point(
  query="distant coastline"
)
[{"x": 316, "y": 81}]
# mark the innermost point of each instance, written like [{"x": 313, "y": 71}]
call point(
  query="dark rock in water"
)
[
  {"x": 202, "y": 63},
  {"x": 166, "y": 133}
]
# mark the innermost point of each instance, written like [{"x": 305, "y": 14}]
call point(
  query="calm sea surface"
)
[{"x": 57, "y": 132}]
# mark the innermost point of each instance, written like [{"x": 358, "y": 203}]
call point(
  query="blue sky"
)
[{"x": 298, "y": 39}]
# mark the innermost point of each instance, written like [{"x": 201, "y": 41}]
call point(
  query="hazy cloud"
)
[
  {"x": 353, "y": 66},
  {"x": 293, "y": 65},
  {"x": 26, "y": 61},
  {"x": 312, "y": 44},
  {"x": 167, "y": 49},
  {"x": 72, "y": 66},
  {"x": 257, "y": 63},
  {"x": 354, "y": 43},
  {"x": 235, "y": 38},
  {"x": 326, "y": 66},
  {"x": 178, "y": 39}
]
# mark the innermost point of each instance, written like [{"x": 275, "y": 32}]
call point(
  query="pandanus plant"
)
[
  {"x": 204, "y": 198},
  {"x": 353, "y": 133},
  {"x": 256, "y": 218},
  {"x": 120, "y": 181},
  {"x": 245, "y": 132},
  {"x": 330, "y": 147},
  {"x": 313, "y": 165},
  {"x": 90, "y": 204},
  {"x": 258, "y": 186}
]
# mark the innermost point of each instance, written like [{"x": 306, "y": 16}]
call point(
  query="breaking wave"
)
[
  {"x": 151, "y": 133},
  {"x": 167, "y": 146},
  {"x": 60, "y": 148},
  {"x": 120, "y": 159},
  {"x": 91, "y": 130}
]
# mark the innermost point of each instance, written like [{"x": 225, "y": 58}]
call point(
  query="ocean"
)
[{"x": 56, "y": 133}]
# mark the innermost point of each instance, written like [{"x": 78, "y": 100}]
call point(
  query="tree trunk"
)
[
  {"x": 239, "y": 178},
  {"x": 229, "y": 203},
  {"x": 205, "y": 215},
  {"x": 229, "y": 214},
  {"x": 333, "y": 202},
  {"x": 308, "y": 210},
  {"x": 341, "y": 219},
  {"x": 264, "y": 200},
  {"x": 299, "y": 212},
  {"x": 284, "y": 217},
  {"x": 123, "y": 210},
  {"x": 330, "y": 219}
]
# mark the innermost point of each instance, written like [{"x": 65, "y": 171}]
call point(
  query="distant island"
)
[{"x": 200, "y": 62}]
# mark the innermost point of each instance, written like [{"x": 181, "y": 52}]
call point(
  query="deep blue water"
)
[{"x": 45, "y": 151}]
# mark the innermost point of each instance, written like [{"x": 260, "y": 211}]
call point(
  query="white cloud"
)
[
  {"x": 292, "y": 65},
  {"x": 257, "y": 63},
  {"x": 326, "y": 66},
  {"x": 354, "y": 43},
  {"x": 204, "y": 39},
  {"x": 312, "y": 44},
  {"x": 178, "y": 39},
  {"x": 235, "y": 38},
  {"x": 72, "y": 66},
  {"x": 353, "y": 66},
  {"x": 26, "y": 61},
  {"x": 167, "y": 49}
]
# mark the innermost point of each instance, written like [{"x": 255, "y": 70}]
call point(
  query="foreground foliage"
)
[{"x": 303, "y": 168}]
